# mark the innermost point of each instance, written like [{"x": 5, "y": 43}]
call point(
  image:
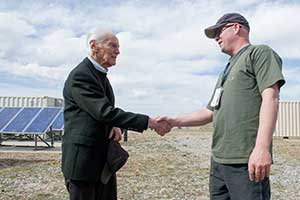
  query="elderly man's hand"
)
[{"x": 115, "y": 134}]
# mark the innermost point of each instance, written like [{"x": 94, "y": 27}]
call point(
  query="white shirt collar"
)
[{"x": 97, "y": 65}]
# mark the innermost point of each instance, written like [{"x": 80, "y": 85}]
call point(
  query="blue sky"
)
[{"x": 166, "y": 65}]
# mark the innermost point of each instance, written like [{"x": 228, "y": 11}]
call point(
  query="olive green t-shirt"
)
[{"x": 251, "y": 70}]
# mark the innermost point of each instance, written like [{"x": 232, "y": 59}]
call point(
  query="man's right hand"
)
[{"x": 169, "y": 120}]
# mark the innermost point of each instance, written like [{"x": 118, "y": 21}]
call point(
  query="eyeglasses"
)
[{"x": 221, "y": 29}]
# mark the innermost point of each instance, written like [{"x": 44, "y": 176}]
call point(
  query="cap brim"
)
[
  {"x": 211, "y": 31},
  {"x": 106, "y": 174}
]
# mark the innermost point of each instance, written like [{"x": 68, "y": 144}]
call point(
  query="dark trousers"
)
[
  {"x": 79, "y": 190},
  {"x": 231, "y": 182}
]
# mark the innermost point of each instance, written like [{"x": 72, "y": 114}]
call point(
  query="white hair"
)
[{"x": 99, "y": 35}]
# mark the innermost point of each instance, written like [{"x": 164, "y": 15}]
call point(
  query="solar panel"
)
[
  {"x": 43, "y": 120},
  {"x": 58, "y": 124},
  {"x": 19, "y": 123},
  {"x": 6, "y": 115}
]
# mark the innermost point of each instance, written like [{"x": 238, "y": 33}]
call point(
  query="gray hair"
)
[{"x": 99, "y": 35}]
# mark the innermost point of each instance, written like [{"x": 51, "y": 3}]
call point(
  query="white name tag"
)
[{"x": 217, "y": 97}]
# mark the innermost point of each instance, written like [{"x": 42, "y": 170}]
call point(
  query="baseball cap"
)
[
  {"x": 116, "y": 158},
  {"x": 211, "y": 31}
]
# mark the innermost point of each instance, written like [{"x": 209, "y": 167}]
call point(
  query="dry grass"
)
[{"x": 174, "y": 167}]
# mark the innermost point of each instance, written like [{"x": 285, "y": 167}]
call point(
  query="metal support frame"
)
[
  {"x": 35, "y": 142},
  {"x": 51, "y": 145},
  {"x": 36, "y": 137},
  {"x": 125, "y": 134}
]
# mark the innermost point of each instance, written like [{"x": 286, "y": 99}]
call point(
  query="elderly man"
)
[
  {"x": 91, "y": 120},
  {"x": 243, "y": 109}
]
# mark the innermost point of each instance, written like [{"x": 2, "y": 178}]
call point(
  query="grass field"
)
[{"x": 174, "y": 167}]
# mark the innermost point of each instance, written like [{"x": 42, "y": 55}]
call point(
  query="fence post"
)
[{"x": 125, "y": 133}]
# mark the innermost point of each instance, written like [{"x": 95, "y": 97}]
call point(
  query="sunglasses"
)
[{"x": 221, "y": 29}]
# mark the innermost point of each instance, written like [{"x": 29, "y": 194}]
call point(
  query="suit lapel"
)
[{"x": 109, "y": 92}]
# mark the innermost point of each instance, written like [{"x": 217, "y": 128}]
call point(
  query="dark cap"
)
[
  {"x": 225, "y": 19},
  {"x": 116, "y": 158}
]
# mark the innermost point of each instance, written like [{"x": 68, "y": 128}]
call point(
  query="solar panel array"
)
[
  {"x": 31, "y": 120},
  {"x": 58, "y": 124}
]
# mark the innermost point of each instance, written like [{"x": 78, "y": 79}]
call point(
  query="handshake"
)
[{"x": 161, "y": 125}]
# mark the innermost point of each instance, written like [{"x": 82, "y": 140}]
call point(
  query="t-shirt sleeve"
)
[{"x": 267, "y": 67}]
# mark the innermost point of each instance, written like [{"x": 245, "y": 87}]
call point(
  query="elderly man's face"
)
[{"x": 108, "y": 51}]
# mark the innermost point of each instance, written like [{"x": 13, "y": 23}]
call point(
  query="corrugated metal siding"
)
[
  {"x": 288, "y": 120},
  {"x": 30, "y": 102}
]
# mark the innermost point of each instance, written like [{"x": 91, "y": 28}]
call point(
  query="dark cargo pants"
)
[{"x": 231, "y": 182}]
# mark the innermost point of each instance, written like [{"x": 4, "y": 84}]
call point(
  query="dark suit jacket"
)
[{"x": 89, "y": 115}]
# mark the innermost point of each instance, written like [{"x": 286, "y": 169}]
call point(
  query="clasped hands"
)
[{"x": 161, "y": 125}]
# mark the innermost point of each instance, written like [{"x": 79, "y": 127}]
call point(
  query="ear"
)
[
  {"x": 92, "y": 44},
  {"x": 238, "y": 28}
]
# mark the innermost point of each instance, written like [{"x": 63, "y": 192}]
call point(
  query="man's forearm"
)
[
  {"x": 197, "y": 118},
  {"x": 267, "y": 117}
]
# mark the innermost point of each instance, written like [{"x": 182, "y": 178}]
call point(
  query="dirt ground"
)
[{"x": 174, "y": 167}]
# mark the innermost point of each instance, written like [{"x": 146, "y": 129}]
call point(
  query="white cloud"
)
[
  {"x": 276, "y": 25},
  {"x": 14, "y": 25},
  {"x": 59, "y": 47},
  {"x": 14, "y": 30},
  {"x": 35, "y": 71}
]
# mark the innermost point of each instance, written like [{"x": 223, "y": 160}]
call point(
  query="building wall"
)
[
  {"x": 10, "y": 101},
  {"x": 288, "y": 120}
]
